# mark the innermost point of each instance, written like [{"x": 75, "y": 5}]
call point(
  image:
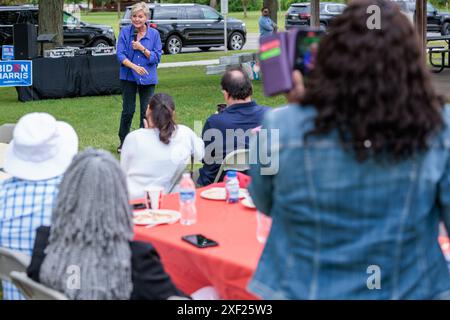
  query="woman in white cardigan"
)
[{"x": 154, "y": 154}]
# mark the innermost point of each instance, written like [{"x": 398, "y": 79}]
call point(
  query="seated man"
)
[
  {"x": 38, "y": 155},
  {"x": 229, "y": 129}
]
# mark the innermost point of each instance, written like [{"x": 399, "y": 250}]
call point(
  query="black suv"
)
[
  {"x": 76, "y": 33},
  {"x": 192, "y": 25},
  {"x": 299, "y": 14},
  {"x": 436, "y": 21}
]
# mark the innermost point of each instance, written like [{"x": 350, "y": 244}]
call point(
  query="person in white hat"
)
[{"x": 40, "y": 152}]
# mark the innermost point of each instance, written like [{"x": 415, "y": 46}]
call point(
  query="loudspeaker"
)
[{"x": 25, "y": 41}]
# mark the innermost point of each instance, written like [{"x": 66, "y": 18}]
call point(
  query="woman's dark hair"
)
[
  {"x": 163, "y": 107},
  {"x": 372, "y": 85}
]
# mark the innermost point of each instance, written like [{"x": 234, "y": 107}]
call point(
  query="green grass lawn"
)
[
  {"x": 110, "y": 18},
  {"x": 96, "y": 119}
]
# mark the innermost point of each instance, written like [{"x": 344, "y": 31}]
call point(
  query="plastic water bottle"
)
[
  {"x": 232, "y": 187},
  {"x": 188, "y": 210}
]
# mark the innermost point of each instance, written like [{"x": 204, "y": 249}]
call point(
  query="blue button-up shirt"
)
[
  {"x": 152, "y": 42},
  {"x": 24, "y": 206}
]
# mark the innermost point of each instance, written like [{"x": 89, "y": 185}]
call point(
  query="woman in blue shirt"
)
[
  {"x": 139, "y": 52},
  {"x": 359, "y": 177}
]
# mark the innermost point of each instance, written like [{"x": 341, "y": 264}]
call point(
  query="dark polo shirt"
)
[{"x": 243, "y": 116}]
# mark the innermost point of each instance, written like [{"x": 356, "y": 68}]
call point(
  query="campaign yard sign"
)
[
  {"x": 16, "y": 73},
  {"x": 7, "y": 52}
]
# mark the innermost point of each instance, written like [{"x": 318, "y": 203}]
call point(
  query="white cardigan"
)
[{"x": 147, "y": 161}]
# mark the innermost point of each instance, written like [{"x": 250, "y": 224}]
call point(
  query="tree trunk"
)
[
  {"x": 421, "y": 23},
  {"x": 118, "y": 9},
  {"x": 51, "y": 20},
  {"x": 315, "y": 13},
  {"x": 273, "y": 7},
  {"x": 244, "y": 7},
  {"x": 213, "y": 3}
]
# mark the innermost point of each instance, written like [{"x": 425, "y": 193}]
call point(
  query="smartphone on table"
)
[
  {"x": 139, "y": 206},
  {"x": 199, "y": 241}
]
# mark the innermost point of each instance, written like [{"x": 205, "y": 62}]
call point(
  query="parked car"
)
[
  {"x": 192, "y": 25},
  {"x": 436, "y": 21},
  {"x": 299, "y": 14},
  {"x": 75, "y": 32}
]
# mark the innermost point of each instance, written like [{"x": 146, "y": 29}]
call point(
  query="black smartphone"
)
[
  {"x": 221, "y": 107},
  {"x": 139, "y": 206},
  {"x": 306, "y": 49},
  {"x": 200, "y": 241}
]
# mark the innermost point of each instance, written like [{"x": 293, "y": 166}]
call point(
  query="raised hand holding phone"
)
[
  {"x": 298, "y": 89},
  {"x": 283, "y": 52}
]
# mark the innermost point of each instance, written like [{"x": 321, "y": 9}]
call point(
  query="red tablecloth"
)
[{"x": 228, "y": 267}]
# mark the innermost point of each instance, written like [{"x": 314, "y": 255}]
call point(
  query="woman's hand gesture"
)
[
  {"x": 140, "y": 70},
  {"x": 137, "y": 45}
]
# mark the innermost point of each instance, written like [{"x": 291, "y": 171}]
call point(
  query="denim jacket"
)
[
  {"x": 152, "y": 42},
  {"x": 344, "y": 229},
  {"x": 265, "y": 26}
]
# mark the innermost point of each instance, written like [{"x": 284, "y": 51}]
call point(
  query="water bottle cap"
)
[{"x": 231, "y": 174}]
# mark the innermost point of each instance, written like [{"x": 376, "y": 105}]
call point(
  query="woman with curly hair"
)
[{"x": 364, "y": 170}]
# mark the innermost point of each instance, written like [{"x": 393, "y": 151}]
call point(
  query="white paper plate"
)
[
  {"x": 247, "y": 202},
  {"x": 218, "y": 193},
  {"x": 155, "y": 217}
]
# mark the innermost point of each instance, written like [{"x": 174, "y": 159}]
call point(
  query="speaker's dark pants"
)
[{"x": 129, "y": 89}]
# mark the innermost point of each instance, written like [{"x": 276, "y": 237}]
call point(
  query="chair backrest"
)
[
  {"x": 237, "y": 160},
  {"x": 11, "y": 260},
  {"x": 33, "y": 290},
  {"x": 6, "y": 132},
  {"x": 179, "y": 173},
  {"x": 176, "y": 178}
]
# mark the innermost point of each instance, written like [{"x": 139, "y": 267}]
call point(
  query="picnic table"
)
[
  {"x": 227, "y": 267},
  {"x": 442, "y": 51},
  {"x": 247, "y": 61}
]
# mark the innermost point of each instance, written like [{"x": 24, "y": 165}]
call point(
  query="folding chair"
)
[
  {"x": 179, "y": 173},
  {"x": 33, "y": 290},
  {"x": 6, "y": 132},
  {"x": 11, "y": 260},
  {"x": 237, "y": 160}
]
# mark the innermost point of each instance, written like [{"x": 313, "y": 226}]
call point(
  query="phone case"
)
[{"x": 275, "y": 63}]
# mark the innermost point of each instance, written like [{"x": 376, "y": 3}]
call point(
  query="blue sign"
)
[
  {"x": 16, "y": 73},
  {"x": 7, "y": 52}
]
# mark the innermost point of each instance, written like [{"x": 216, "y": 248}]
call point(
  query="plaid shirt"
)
[{"x": 24, "y": 206}]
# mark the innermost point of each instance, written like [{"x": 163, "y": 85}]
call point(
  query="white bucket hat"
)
[{"x": 41, "y": 148}]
